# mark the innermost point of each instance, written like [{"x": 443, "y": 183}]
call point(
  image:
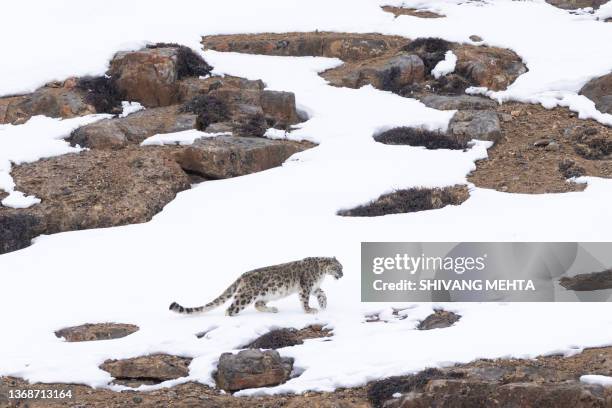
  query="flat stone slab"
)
[
  {"x": 461, "y": 102},
  {"x": 97, "y": 331},
  {"x": 475, "y": 124},
  {"x": 588, "y": 281},
  {"x": 154, "y": 368}
]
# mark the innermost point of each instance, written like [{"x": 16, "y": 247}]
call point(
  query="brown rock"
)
[
  {"x": 91, "y": 189},
  {"x": 117, "y": 133},
  {"x": 155, "y": 368},
  {"x": 405, "y": 11},
  {"x": 588, "y": 281},
  {"x": 280, "y": 338},
  {"x": 279, "y": 108},
  {"x": 232, "y": 156},
  {"x": 576, "y": 4},
  {"x": 252, "y": 369},
  {"x": 494, "y": 68},
  {"x": 438, "y": 320},
  {"x": 98, "y": 331},
  {"x": 347, "y": 47},
  {"x": 599, "y": 90},
  {"x": 150, "y": 76}
]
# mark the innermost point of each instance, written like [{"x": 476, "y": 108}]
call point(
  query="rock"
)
[
  {"x": 438, "y": 320},
  {"x": 150, "y": 76},
  {"x": 279, "y": 108},
  {"x": 405, "y": 11},
  {"x": 461, "y": 102},
  {"x": 476, "y": 38},
  {"x": 252, "y": 369},
  {"x": 231, "y": 156},
  {"x": 56, "y": 100},
  {"x": 346, "y": 46},
  {"x": 569, "y": 168},
  {"x": 390, "y": 73},
  {"x": 542, "y": 142},
  {"x": 98, "y": 331},
  {"x": 599, "y": 90},
  {"x": 280, "y": 338},
  {"x": 553, "y": 147},
  {"x": 473, "y": 124},
  {"x": 410, "y": 200},
  {"x": 117, "y": 133},
  {"x": 491, "y": 67},
  {"x": 588, "y": 281},
  {"x": 590, "y": 142},
  {"x": 91, "y": 189},
  {"x": 154, "y": 368},
  {"x": 576, "y": 4}
]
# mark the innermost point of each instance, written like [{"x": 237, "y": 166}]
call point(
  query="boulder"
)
[
  {"x": 475, "y": 124},
  {"x": 599, "y": 90},
  {"x": 150, "y": 75},
  {"x": 491, "y": 67},
  {"x": 346, "y": 46},
  {"x": 91, "y": 189},
  {"x": 155, "y": 368},
  {"x": 98, "y": 331},
  {"x": 438, "y": 320},
  {"x": 117, "y": 133},
  {"x": 576, "y": 4},
  {"x": 460, "y": 102},
  {"x": 231, "y": 156},
  {"x": 588, "y": 281},
  {"x": 280, "y": 338},
  {"x": 56, "y": 100},
  {"x": 279, "y": 108},
  {"x": 252, "y": 369}
]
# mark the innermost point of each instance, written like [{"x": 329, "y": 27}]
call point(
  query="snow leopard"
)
[{"x": 275, "y": 282}]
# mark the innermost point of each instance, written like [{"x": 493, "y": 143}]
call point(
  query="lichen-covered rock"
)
[
  {"x": 439, "y": 320},
  {"x": 97, "y": 331},
  {"x": 588, "y": 281},
  {"x": 117, "y": 133},
  {"x": 599, "y": 90},
  {"x": 91, "y": 189},
  {"x": 150, "y": 75},
  {"x": 491, "y": 67},
  {"x": 475, "y": 124},
  {"x": 459, "y": 102},
  {"x": 231, "y": 156},
  {"x": 576, "y": 4},
  {"x": 252, "y": 369},
  {"x": 156, "y": 368}
]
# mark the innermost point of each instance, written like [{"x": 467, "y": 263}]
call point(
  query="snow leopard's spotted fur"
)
[{"x": 274, "y": 282}]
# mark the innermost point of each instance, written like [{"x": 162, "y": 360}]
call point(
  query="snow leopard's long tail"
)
[{"x": 224, "y": 297}]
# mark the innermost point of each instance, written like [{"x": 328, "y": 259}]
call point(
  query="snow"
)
[
  {"x": 130, "y": 107},
  {"x": 446, "y": 66},
  {"x": 17, "y": 199},
  {"x": 597, "y": 380},
  {"x": 185, "y": 137},
  {"x": 209, "y": 235}
]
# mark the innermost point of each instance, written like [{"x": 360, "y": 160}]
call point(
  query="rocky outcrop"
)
[
  {"x": 58, "y": 100},
  {"x": 117, "y": 133},
  {"x": 405, "y": 11},
  {"x": 475, "y": 124},
  {"x": 252, "y": 369},
  {"x": 347, "y": 47},
  {"x": 386, "y": 62},
  {"x": 231, "y": 156},
  {"x": 439, "y": 320},
  {"x": 599, "y": 90},
  {"x": 588, "y": 281},
  {"x": 280, "y": 338},
  {"x": 97, "y": 331},
  {"x": 150, "y": 369},
  {"x": 576, "y": 4},
  {"x": 410, "y": 200},
  {"x": 91, "y": 189},
  {"x": 151, "y": 75}
]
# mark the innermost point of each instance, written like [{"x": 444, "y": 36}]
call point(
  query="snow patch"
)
[
  {"x": 183, "y": 138},
  {"x": 597, "y": 380},
  {"x": 129, "y": 108},
  {"x": 446, "y": 66}
]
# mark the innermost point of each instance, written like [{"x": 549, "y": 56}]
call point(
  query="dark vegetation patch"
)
[
  {"x": 253, "y": 126},
  {"x": 420, "y": 137},
  {"x": 439, "y": 320},
  {"x": 209, "y": 109},
  {"x": 280, "y": 338},
  {"x": 102, "y": 94},
  {"x": 451, "y": 84},
  {"x": 431, "y": 50},
  {"x": 588, "y": 281},
  {"x": 390, "y": 80},
  {"x": 410, "y": 200},
  {"x": 383, "y": 390},
  {"x": 189, "y": 63}
]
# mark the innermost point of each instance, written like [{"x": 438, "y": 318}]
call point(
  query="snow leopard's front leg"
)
[
  {"x": 305, "y": 299},
  {"x": 321, "y": 298}
]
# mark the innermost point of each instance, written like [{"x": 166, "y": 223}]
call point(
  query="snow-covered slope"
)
[{"x": 212, "y": 233}]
